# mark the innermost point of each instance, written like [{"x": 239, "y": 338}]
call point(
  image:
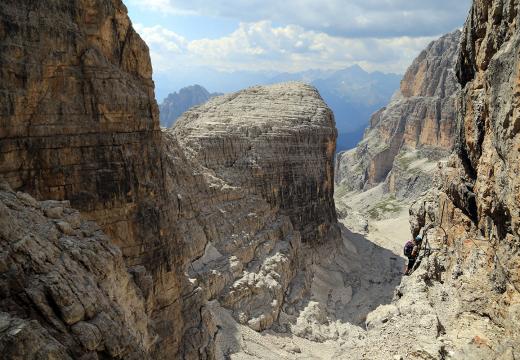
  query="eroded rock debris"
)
[{"x": 218, "y": 238}]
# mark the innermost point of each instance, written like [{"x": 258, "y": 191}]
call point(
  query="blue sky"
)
[{"x": 290, "y": 35}]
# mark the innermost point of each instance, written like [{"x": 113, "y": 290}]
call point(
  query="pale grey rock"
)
[
  {"x": 255, "y": 158},
  {"x": 415, "y": 130},
  {"x": 381, "y": 315},
  {"x": 64, "y": 295},
  {"x": 278, "y": 141}
]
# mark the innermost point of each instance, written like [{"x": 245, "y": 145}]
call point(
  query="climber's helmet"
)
[{"x": 418, "y": 238}]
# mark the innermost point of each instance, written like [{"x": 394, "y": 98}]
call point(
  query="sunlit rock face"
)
[
  {"x": 477, "y": 206},
  {"x": 261, "y": 184},
  {"x": 419, "y": 121},
  {"x": 195, "y": 221},
  {"x": 463, "y": 301},
  {"x": 488, "y": 139},
  {"x": 277, "y": 141}
]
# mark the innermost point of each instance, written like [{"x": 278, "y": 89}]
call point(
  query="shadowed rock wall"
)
[{"x": 78, "y": 122}]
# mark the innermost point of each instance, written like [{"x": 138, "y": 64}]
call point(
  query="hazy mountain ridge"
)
[
  {"x": 352, "y": 93},
  {"x": 419, "y": 123},
  {"x": 175, "y": 104}
]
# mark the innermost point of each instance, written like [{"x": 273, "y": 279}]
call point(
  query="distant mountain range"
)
[
  {"x": 352, "y": 93},
  {"x": 178, "y": 102}
]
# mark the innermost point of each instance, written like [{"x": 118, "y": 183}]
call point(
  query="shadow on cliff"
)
[
  {"x": 373, "y": 272},
  {"x": 352, "y": 277}
]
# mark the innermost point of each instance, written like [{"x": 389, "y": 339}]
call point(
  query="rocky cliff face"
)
[
  {"x": 178, "y": 102},
  {"x": 413, "y": 131},
  {"x": 80, "y": 124},
  {"x": 466, "y": 292},
  {"x": 488, "y": 131},
  {"x": 79, "y": 119},
  {"x": 479, "y": 201},
  {"x": 234, "y": 168},
  {"x": 65, "y": 292},
  {"x": 276, "y": 141}
]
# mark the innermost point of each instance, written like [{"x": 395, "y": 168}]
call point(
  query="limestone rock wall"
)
[
  {"x": 476, "y": 211},
  {"x": 77, "y": 107},
  {"x": 79, "y": 122},
  {"x": 277, "y": 141},
  {"x": 66, "y": 292},
  {"x": 463, "y": 301},
  {"x": 198, "y": 217},
  {"x": 488, "y": 138},
  {"x": 420, "y": 118},
  {"x": 483, "y": 183},
  {"x": 260, "y": 183},
  {"x": 237, "y": 249}
]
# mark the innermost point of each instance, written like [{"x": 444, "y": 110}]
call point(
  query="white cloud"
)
[
  {"x": 351, "y": 18},
  {"x": 262, "y": 46},
  {"x": 163, "y": 6},
  {"x": 160, "y": 37}
]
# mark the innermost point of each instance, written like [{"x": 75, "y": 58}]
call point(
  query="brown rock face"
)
[
  {"x": 489, "y": 129},
  {"x": 65, "y": 291},
  {"x": 478, "y": 207},
  {"x": 488, "y": 140},
  {"x": 421, "y": 117},
  {"x": 199, "y": 216},
  {"x": 79, "y": 122},
  {"x": 79, "y": 119}
]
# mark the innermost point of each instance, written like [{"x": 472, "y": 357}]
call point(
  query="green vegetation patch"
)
[
  {"x": 341, "y": 190},
  {"x": 405, "y": 160},
  {"x": 387, "y": 206}
]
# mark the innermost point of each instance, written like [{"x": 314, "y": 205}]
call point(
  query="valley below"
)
[
  {"x": 239, "y": 232},
  {"x": 352, "y": 278}
]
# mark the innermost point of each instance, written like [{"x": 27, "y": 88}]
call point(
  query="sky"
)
[{"x": 290, "y": 35}]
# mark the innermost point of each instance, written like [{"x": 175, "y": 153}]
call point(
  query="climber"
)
[{"x": 411, "y": 251}]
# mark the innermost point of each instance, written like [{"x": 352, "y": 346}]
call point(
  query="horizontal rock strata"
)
[
  {"x": 261, "y": 161},
  {"x": 80, "y": 123},
  {"x": 199, "y": 215},
  {"x": 419, "y": 119},
  {"x": 276, "y": 141}
]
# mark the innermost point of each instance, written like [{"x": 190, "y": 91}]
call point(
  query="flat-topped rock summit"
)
[
  {"x": 277, "y": 106},
  {"x": 277, "y": 140}
]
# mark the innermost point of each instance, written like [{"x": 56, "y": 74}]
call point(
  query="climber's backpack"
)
[{"x": 408, "y": 248}]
